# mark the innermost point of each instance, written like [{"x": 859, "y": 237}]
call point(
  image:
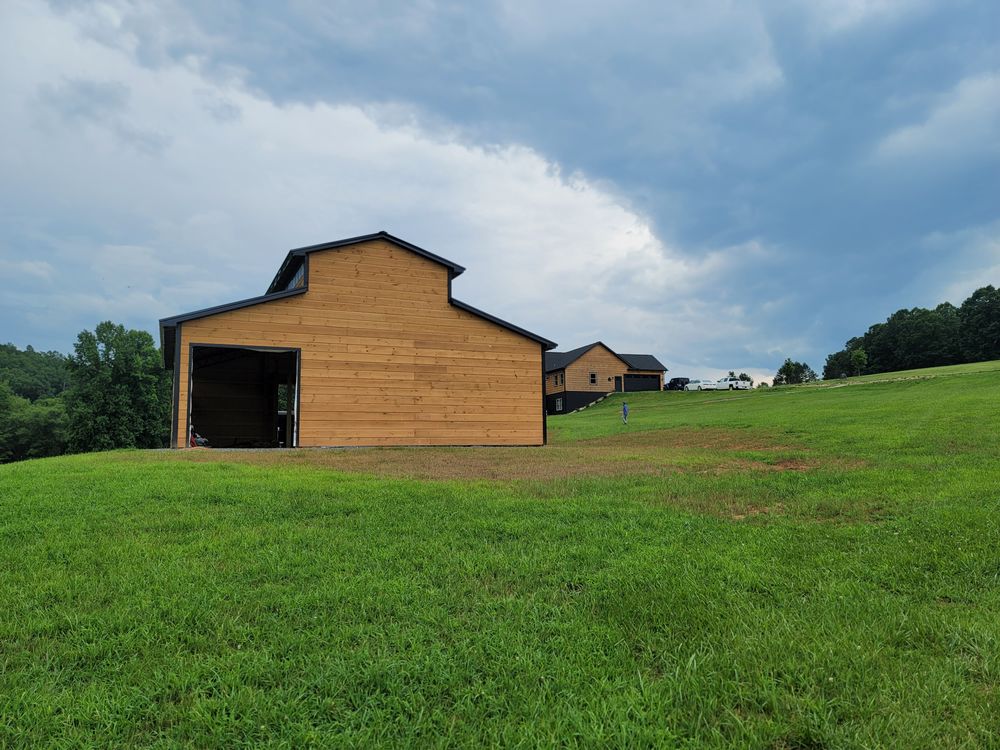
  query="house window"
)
[
  {"x": 593, "y": 378},
  {"x": 558, "y": 404}
]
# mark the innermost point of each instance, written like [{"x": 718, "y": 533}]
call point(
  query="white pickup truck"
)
[{"x": 732, "y": 384}]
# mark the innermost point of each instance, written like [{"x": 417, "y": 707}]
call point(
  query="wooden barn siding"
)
[
  {"x": 598, "y": 360},
  {"x": 386, "y": 360}
]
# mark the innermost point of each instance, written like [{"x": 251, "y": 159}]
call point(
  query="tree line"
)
[
  {"x": 916, "y": 338},
  {"x": 112, "y": 392}
]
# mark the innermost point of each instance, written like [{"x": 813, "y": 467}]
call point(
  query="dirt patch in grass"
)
[
  {"x": 649, "y": 453},
  {"x": 792, "y": 464},
  {"x": 683, "y": 439},
  {"x": 750, "y": 511},
  {"x": 726, "y": 466}
]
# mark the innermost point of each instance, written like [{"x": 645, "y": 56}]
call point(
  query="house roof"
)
[
  {"x": 562, "y": 360},
  {"x": 294, "y": 258},
  {"x": 168, "y": 326},
  {"x": 643, "y": 362}
]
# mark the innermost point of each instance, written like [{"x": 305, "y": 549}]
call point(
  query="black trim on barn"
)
[
  {"x": 546, "y": 344},
  {"x": 298, "y": 397},
  {"x": 168, "y": 326},
  {"x": 545, "y": 425},
  {"x": 190, "y": 388},
  {"x": 175, "y": 399},
  {"x": 274, "y": 349}
]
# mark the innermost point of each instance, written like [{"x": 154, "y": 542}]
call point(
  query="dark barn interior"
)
[{"x": 243, "y": 397}]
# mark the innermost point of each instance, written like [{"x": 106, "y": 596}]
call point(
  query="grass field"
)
[{"x": 811, "y": 567}]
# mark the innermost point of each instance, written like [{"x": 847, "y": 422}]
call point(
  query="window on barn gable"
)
[
  {"x": 593, "y": 378},
  {"x": 299, "y": 279}
]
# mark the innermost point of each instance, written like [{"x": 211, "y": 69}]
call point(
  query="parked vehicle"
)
[
  {"x": 701, "y": 385},
  {"x": 733, "y": 384},
  {"x": 676, "y": 384}
]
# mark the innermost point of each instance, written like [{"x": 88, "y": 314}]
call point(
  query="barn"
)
[{"x": 357, "y": 342}]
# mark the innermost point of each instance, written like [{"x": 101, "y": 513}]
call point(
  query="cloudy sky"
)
[{"x": 723, "y": 184}]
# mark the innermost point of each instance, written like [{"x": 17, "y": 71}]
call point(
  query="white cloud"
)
[
  {"x": 964, "y": 122},
  {"x": 834, "y": 16},
  {"x": 235, "y": 180},
  {"x": 15, "y": 270},
  {"x": 972, "y": 260}
]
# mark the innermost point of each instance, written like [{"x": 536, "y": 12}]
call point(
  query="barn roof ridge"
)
[{"x": 289, "y": 265}]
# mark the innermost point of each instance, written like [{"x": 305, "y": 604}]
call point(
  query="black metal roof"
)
[
  {"x": 562, "y": 360},
  {"x": 643, "y": 362},
  {"x": 168, "y": 326},
  {"x": 503, "y": 323},
  {"x": 294, "y": 258}
]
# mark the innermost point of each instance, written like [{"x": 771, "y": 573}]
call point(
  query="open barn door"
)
[{"x": 244, "y": 397}]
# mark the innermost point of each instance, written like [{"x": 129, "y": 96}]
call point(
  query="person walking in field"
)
[{"x": 624, "y": 413}]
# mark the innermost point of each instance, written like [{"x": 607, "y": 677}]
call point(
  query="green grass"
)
[
  {"x": 799, "y": 568},
  {"x": 930, "y": 372}
]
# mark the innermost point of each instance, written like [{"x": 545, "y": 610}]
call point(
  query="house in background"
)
[
  {"x": 579, "y": 377},
  {"x": 355, "y": 342}
]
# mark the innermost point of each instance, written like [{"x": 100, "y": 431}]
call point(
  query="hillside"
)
[{"x": 808, "y": 566}]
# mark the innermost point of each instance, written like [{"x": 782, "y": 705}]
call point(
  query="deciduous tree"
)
[
  {"x": 792, "y": 373},
  {"x": 30, "y": 429},
  {"x": 838, "y": 365},
  {"x": 859, "y": 360},
  {"x": 979, "y": 316},
  {"x": 31, "y": 374},
  {"x": 119, "y": 395}
]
